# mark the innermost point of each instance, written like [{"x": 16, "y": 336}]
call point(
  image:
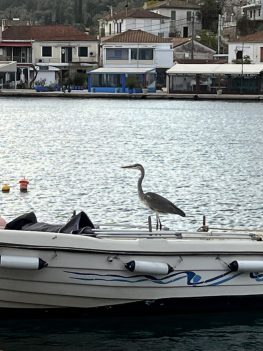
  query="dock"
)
[{"x": 84, "y": 94}]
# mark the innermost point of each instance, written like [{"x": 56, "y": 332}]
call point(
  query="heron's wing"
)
[{"x": 160, "y": 204}]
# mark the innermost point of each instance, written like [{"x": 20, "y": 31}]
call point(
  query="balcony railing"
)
[{"x": 19, "y": 59}]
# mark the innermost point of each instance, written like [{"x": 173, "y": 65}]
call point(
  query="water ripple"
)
[{"x": 204, "y": 156}]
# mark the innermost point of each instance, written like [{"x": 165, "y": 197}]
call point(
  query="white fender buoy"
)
[
  {"x": 22, "y": 262},
  {"x": 246, "y": 266},
  {"x": 149, "y": 267}
]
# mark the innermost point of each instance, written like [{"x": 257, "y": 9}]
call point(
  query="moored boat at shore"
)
[{"x": 94, "y": 268}]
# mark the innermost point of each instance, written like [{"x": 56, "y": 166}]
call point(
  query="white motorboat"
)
[{"x": 102, "y": 268}]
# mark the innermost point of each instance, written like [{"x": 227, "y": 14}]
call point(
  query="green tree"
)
[
  {"x": 208, "y": 38},
  {"x": 210, "y": 10},
  {"x": 245, "y": 26}
]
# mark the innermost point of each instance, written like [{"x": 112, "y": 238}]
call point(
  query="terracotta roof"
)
[
  {"x": 179, "y": 41},
  {"x": 179, "y": 4},
  {"x": 136, "y": 36},
  {"x": 134, "y": 13},
  {"x": 45, "y": 33},
  {"x": 256, "y": 37}
]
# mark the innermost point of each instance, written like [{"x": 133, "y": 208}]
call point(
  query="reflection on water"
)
[
  {"x": 205, "y": 156},
  {"x": 182, "y": 332}
]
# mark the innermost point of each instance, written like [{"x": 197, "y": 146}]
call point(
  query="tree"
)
[
  {"x": 210, "y": 10},
  {"x": 208, "y": 38},
  {"x": 245, "y": 26}
]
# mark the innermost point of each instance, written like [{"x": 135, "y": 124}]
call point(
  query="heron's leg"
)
[{"x": 157, "y": 221}]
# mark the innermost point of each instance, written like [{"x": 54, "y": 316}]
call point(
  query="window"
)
[
  {"x": 47, "y": 51},
  {"x": 173, "y": 15},
  {"x": 142, "y": 54},
  {"x": 109, "y": 28},
  {"x": 117, "y": 54},
  {"x": 134, "y": 54},
  {"x": 83, "y": 51},
  {"x": 145, "y": 54},
  {"x": 106, "y": 80},
  {"x": 189, "y": 16},
  {"x": 261, "y": 54}
]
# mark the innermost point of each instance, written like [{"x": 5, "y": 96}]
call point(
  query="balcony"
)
[{"x": 19, "y": 58}]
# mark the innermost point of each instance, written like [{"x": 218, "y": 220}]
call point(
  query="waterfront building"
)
[
  {"x": 133, "y": 58},
  {"x": 134, "y": 19},
  {"x": 215, "y": 78},
  {"x": 59, "y": 52}
]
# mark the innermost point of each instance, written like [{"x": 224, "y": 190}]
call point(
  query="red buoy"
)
[{"x": 23, "y": 185}]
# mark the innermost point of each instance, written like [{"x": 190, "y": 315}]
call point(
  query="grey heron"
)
[{"x": 155, "y": 202}]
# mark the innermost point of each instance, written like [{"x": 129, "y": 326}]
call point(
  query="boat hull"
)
[{"x": 91, "y": 273}]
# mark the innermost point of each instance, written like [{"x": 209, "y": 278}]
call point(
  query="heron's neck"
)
[{"x": 140, "y": 191}]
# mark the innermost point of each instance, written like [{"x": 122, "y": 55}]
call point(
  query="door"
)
[{"x": 66, "y": 54}]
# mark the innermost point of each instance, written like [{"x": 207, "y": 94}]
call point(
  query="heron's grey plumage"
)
[{"x": 155, "y": 202}]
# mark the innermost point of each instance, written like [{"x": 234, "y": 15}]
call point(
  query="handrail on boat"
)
[{"x": 177, "y": 235}]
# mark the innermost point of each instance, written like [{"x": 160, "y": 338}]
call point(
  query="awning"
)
[
  {"x": 15, "y": 44},
  {"x": 227, "y": 68},
  {"x": 121, "y": 70},
  {"x": 8, "y": 66}
]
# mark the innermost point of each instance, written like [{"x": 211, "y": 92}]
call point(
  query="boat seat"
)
[{"x": 78, "y": 224}]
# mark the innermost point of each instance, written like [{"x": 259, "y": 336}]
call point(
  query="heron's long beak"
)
[{"x": 130, "y": 166}]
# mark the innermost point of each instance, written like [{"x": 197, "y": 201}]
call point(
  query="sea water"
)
[{"x": 205, "y": 156}]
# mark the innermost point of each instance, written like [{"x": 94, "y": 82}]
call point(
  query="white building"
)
[
  {"x": 249, "y": 46},
  {"x": 133, "y": 58},
  {"x": 134, "y": 19},
  {"x": 185, "y": 17},
  {"x": 253, "y": 10},
  {"x": 136, "y": 48},
  {"x": 59, "y": 46}
]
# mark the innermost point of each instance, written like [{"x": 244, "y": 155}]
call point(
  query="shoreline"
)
[{"x": 78, "y": 94}]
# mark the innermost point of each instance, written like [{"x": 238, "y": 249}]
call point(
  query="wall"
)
[
  {"x": 56, "y": 51},
  {"x": 162, "y": 57},
  {"x": 181, "y": 20},
  {"x": 250, "y": 49},
  {"x": 48, "y": 76},
  {"x": 153, "y": 26}
]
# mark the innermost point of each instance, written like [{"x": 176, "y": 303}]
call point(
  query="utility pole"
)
[
  {"x": 219, "y": 33},
  {"x": 242, "y": 69},
  {"x": 192, "y": 41}
]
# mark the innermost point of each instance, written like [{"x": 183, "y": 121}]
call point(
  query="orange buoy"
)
[
  {"x": 23, "y": 185},
  {"x": 5, "y": 188}
]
